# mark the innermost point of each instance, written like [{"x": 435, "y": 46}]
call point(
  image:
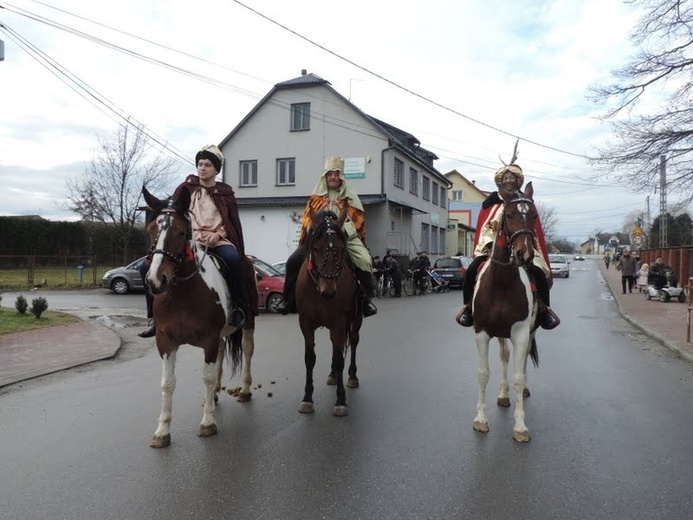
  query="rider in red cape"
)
[
  {"x": 215, "y": 223},
  {"x": 509, "y": 180}
]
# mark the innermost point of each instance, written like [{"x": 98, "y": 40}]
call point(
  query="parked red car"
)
[{"x": 270, "y": 284}]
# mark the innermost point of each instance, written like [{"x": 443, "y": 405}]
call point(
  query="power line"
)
[{"x": 405, "y": 89}]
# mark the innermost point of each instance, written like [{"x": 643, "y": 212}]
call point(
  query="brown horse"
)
[
  {"x": 191, "y": 307},
  {"x": 327, "y": 295},
  {"x": 505, "y": 307}
]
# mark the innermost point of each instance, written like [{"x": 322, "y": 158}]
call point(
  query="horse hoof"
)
[
  {"x": 481, "y": 427},
  {"x": 353, "y": 383},
  {"x": 160, "y": 442},
  {"x": 503, "y": 401},
  {"x": 340, "y": 411},
  {"x": 207, "y": 431},
  {"x": 306, "y": 407},
  {"x": 244, "y": 397},
  {"x": 526, "y": 393},
  {"x": 331, "y": 380},
  {"x": 522, "y": 436}
]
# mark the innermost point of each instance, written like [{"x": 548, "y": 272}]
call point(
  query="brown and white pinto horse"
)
[
  {"x": 327, "y": 295},
  {"x": 191, "y": 307},
  {"x": 505, "y": 307}
]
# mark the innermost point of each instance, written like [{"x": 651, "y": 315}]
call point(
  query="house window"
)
[
  {"x": 399, "y": 173},
  {"x": 426, "y": 188},
  {"x": 413, "y": 181},
  {"x": 300, "y": 116},
  {"x": 456, "y": 194},
  {"x": 424, "y": 237},
  {"x": 286, "y": 172},
  {"x": 443, "y": 197},
  {"x": 248, "y": 174},
  {"x": 434, "y": 193}
]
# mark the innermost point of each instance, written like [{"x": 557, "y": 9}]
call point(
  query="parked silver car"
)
[
  {"x": 123, "y": 280},
  {"x": 560, "y": 266}
]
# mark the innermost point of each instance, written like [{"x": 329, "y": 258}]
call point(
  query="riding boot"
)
[
  {"x": 293, "y": 267},
  {"x": 237, "y": 314},
  {"x": 546, "y": 317},
  {"x": 464, "y": 317},
  {"x": 365, "y": 279},
  {"x": 149, "y": 331}
]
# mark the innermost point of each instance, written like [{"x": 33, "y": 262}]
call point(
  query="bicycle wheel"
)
[
  {"x": 378, "y": 287},
  {"x": 391, "y": 288},
  {"x": 408, "y": 286}
]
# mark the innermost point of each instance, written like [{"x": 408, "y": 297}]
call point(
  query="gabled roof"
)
[
  {"x": 464, "y": 179},
  {"x": 400, "y": 139}
]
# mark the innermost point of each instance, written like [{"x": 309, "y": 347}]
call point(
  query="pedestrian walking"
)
[{"x": 626, "y": 264}]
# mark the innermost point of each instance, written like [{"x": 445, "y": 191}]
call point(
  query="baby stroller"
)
[
  {"x": 662, "y": 285},
  {"x": 438, "y": 283}
]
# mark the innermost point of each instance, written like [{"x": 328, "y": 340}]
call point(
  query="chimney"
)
[{"x": 304, "y": 72}]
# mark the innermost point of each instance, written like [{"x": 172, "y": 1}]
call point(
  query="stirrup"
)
[
  {"x": 464, "y": 317},
  {"x": 237, "y": 318},
  {"x": 548, "y": 319},
  {"x": 369, "y": 309}
]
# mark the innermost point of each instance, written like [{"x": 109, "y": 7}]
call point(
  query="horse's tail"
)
[
  {"x": 234, "y": 349},
  {"x": 534, "y": 352}
]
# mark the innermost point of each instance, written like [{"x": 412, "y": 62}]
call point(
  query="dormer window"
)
[{"x": 300, "y": 117}]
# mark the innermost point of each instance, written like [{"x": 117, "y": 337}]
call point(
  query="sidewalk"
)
[
  {"x": 34, "y": 353},
  {"x": 664, "y": 322}
]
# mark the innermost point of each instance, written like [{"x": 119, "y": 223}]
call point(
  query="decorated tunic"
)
[
  {"x": 489, "y": 222},
  {"x": 354, "y": 225}
]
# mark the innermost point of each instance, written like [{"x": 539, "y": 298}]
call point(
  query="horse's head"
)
[
  {"x": 326, "y": 250},
  {"x": 168, "y": 236},
  {"x": 519, "y": 219}
]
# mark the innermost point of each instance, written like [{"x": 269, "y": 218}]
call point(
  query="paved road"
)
[{"x": 609, "y": 417}]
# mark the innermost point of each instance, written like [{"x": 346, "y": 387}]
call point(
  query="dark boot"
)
[
  {"x": 464, "y": 317},
  {"x": 293, "y": 267},
  {"x": 149, "y": 331},
  {"x": 237, "y": 318},
  {"x": 288, "y": 303},
  {"x": 365, "y": 279},
  {"x": 546, "y": 317}
]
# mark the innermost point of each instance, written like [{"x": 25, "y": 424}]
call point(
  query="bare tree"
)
[
  {"x": 549, "y": 220},
  {"x": 109, "y": 190},
  {"x": 662, "y": 65}
]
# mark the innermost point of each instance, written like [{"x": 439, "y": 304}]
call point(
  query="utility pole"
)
[
  {"x": 2, "y": 50},
  {"x": 663, "y": 220}
]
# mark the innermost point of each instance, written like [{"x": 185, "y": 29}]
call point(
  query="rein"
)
[
  {"x": 176, "y": 259},
  {"x": 331, "y": 251},
  {"x": 509, "y": 240}
]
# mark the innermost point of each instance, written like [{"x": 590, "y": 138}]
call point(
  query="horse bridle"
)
[
  {"x": 168, "y": 212},
  {"x": 331, "y": 251},
  {"x": 519, "y": 232}
]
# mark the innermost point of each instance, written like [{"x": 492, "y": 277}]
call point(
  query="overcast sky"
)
[{"x": 464, "y": 76}]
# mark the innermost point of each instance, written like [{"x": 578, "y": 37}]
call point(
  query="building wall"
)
[{"x": 336, "y": 128}]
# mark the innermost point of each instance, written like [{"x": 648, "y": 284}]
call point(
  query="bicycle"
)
[
  {"x": 380, "y": 289},
  {"x": 410, "y": 285}
]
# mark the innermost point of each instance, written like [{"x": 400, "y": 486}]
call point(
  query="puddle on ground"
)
[{"x": 119, "y": 321}]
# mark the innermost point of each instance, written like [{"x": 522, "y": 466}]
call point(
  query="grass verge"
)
[{"x": 11, "y": 321}]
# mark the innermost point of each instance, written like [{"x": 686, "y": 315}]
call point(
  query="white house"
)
[{"x": 275, "y": 156}]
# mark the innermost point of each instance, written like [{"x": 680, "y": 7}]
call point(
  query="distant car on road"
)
[
  {"x": 560, "y": 266},
  {"x": 579, "y": 258},
  {"x": 452, "y": 269},
  {"x": 123, "y": 280}
]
